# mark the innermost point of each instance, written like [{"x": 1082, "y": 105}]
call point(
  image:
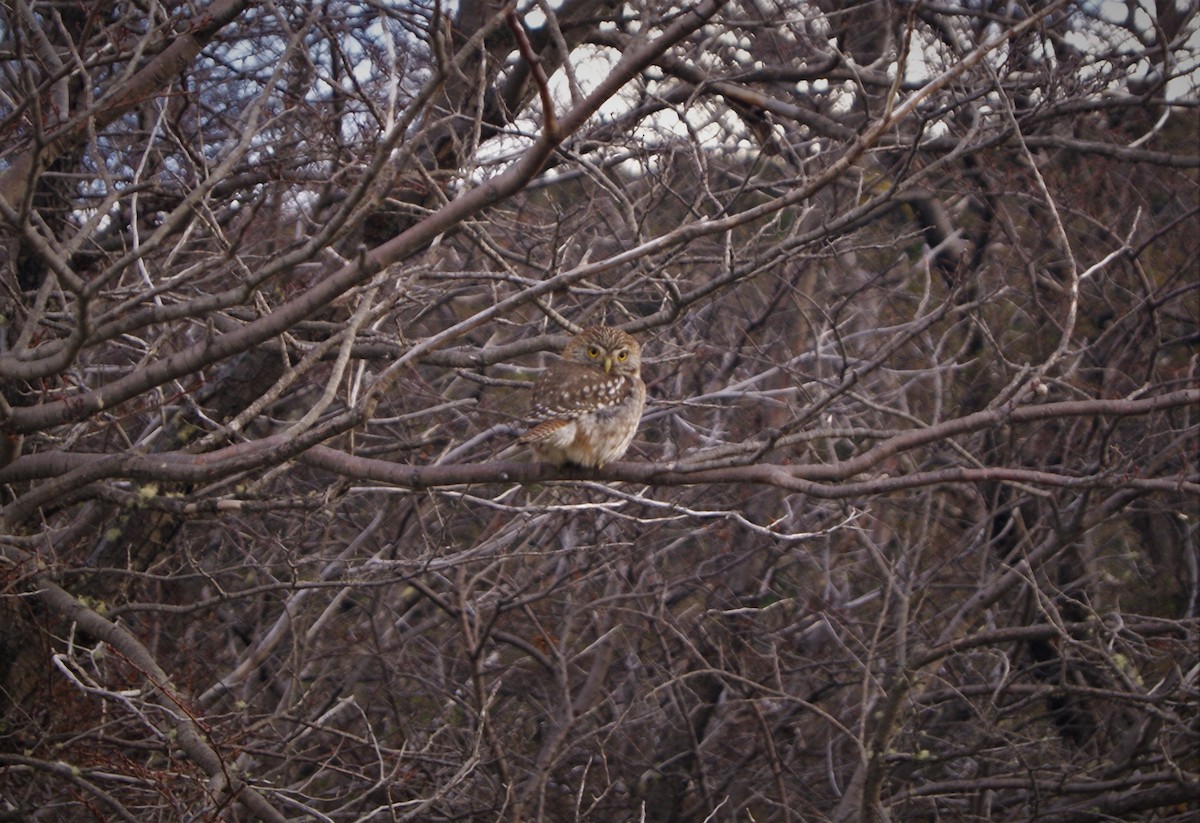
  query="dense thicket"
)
[{"x": 909, "y": 531}]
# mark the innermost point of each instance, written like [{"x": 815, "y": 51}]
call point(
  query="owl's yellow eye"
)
[
  {"x": 593, "y": 352},
  {"x": 622, "y": 355}
]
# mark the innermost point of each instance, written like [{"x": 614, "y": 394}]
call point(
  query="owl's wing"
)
[
  {"x": 566, "y": 392},
  {"x": 545, "y": 430}
]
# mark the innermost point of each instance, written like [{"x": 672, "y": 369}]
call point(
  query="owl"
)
[{"x": 586, "y": 407}]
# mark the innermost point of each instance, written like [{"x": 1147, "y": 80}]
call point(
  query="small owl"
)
[{"x": 586, "y": 407}]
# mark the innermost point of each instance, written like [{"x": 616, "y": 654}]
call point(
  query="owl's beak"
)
[{"x": 607, "y": 365}]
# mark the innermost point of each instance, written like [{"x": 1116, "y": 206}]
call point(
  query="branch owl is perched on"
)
[{"x": 586, "y": 407}]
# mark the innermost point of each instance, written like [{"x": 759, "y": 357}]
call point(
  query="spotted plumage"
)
[{"x": 586, "y": 407}]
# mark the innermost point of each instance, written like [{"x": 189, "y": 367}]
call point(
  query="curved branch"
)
[
  {"x": 223, "y": 775},
  {"x": 818, "y": 480}
]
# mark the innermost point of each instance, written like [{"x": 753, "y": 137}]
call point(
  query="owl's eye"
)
[
  {"x": 622, "y": 355},
  {"x": 593, "y": 352}
]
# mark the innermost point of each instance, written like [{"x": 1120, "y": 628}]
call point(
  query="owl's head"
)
[{"x": 605, "y": 348}]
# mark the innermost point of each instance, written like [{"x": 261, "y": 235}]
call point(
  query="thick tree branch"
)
[{"x": 186, "y": 727}]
